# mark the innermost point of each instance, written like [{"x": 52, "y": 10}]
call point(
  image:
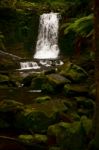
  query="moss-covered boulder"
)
[
  {"x": 83, "y": 102},
  {"x": 92, "y": 91},
  {"x": 42, "y": 99},
  {"x": 68, "y": 135},
  {"x": 6, "y": 80},
  {"x": 26, "y": 138},
  {"x": 3, "y": 78},
  {"x": 85, "y": 106},
  {"x": 31, "y": 139},
  {"x": 11, "y": 106},
  {"x": 35, "y": 120},
  {"x": 75, "y": 89},
  {"x": 57, "y": 80},
  {"x": 54, "y": 148},
  {"x": 74, "y": 72},
  {"x": 41, "y": 83},
  {"x": 8, "y": 111}
]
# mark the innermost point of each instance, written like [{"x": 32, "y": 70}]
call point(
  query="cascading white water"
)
[
  {"x": 47, "y": 43},
  {"x": 29, "y": 65}
]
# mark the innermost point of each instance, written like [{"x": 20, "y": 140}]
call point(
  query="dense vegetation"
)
[{"x": 60, "y": 116}]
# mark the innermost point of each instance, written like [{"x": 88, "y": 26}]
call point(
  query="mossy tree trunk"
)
[{"x": 96, "y": 25}]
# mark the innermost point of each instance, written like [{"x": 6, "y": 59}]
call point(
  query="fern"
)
[{"x": 82, "y": 26}]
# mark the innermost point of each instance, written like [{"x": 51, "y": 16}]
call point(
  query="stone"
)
[
  {"x": 74, "y": 72},
  {"x": 26, "y": 138},
  {"x": 10, "y": 106},
  {"x": 42, "y": 99},
  {"x": 34, "y": 120},
  {"x": 75, "y": 89},
  {"x": 57, "y": 79},
  {"x": 68, "y": 135}
]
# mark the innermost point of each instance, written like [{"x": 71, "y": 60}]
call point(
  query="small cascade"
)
[
  {"x": 39, "y": 65},
  {"x": 29, "y": 65},
  {"x": 47, "y": 43}
]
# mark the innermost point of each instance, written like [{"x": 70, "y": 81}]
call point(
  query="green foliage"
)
[
  {"x": 2, "y": 41},
  {"x": 8, "y": 3},
  {"x": 82, "y": 26}
]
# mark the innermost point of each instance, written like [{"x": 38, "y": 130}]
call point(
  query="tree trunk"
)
[{"x": 96, "y": 26}]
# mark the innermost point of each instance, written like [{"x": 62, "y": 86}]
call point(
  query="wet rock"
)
[
  {"x": 57, "y": 80},
  {"x": 4, "y": 78},
  {"x": 40, "y": 138},
  {"x": 8, "y": 111},
  {"x": 42, "y": 99},
  {"x": 74, "y": 72},
  {"x": 75, "y": 89},
  {"x": 86, "y": 124},
  {"x": 92, "y": 91},
  {"x": 83, "y": 102},
  {"x": 26, "y": 82},
  {"x": 54, "y": 148},
  {"x": 35, "y": 120},
  {"x": 68, "y": 135},
  {"x": 41, "y": 83},
  {"x": 10, "y": 106},
  {"x": 26, "y": 138}
]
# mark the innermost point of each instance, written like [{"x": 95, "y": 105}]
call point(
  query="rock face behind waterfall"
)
[{"x": 47, "y": 43}]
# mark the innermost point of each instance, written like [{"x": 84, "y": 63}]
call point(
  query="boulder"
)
[
  {"x": 75, "y": 89},
  {"x": 10, "y": 106},
  {"x": 26, "y": 138},
  {"x": 54, "y": 148},
  {"x": 83, "y": 102},
  {"x": 41, "y": 83},
  {"x": 74, "y": 72},
  {"x": 8, "y": 111},
  {"x": 33, "y": 139},
  {"x": 68, "y": 135},
  {"x": 57, "y": 80},
  {"x": 42, "y": 99},
  {"x": 34, "y": 120}
]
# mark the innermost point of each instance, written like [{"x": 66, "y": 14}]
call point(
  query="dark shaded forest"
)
[{"x": 49, "y": 103}]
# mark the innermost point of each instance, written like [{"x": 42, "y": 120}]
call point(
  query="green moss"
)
[
  {"x": 26, "y": 138},
  {"x": 42, "y": 99},
  {"x": 68, "y": 135}
]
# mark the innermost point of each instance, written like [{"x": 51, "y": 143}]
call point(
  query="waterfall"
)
[{"x": 47, "y": 43}]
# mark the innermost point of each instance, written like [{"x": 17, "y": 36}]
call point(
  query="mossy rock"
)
[
  {"x": 26, "y": 138},
  {"x": 86, "y": 124},
  {"x": 34, "y": 120},
  {"x": 41, "y": 83},
  {"x": 92, "y": 91},
  {"x": 86, "y": 112},
  {"x": 83, "y": 102},
  {"x": 42, "y": 99},
  {"x": 75, "y": 89},
  {"x": 28, "y": 80},
  {"x": 4, "y": 78},
  {"x": 74, "y": 73},
  {"x": 35, "y": 138},
  {"x": 40, "y": 138},
  {"x": 57, "y": 80},
  {"x": 54, "y": 148},
  {"x": 8, "y": 111},
  {"x": 11, "y": 106},
  {"x": 68, "y": 135}
]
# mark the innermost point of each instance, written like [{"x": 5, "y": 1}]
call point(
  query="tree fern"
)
[{"x": 82, "y": 26}]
